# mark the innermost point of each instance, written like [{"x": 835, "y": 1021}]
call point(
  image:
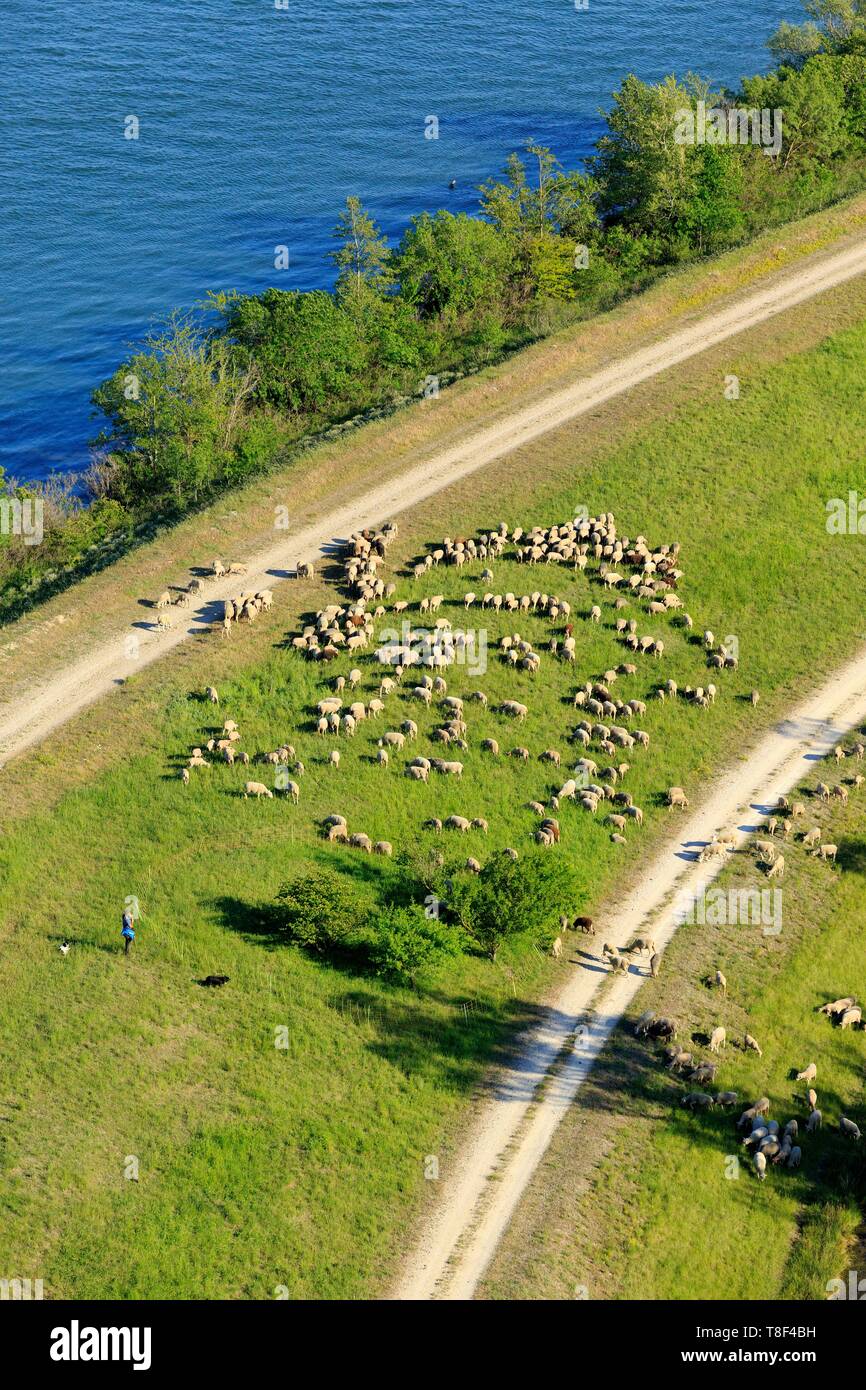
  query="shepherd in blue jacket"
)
[{"x": 127, "y": 931}]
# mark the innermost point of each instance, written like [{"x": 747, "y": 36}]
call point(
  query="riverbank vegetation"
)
[{"x": 231, "y": 388}]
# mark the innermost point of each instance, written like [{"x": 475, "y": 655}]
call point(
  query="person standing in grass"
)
[{"x": 127, "y": 931}]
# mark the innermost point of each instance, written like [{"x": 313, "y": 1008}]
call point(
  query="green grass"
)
[{"x": 303, "y": 1167}]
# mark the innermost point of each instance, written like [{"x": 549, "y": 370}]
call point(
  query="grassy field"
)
[
  {"x": 639, "y": 1198},
  {"x": 261, "y": 1167}
]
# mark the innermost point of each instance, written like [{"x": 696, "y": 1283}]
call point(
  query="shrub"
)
[
  {"x": 321, "y": 910},
  {"x": 405, "y": 939},
  {"x": 510, "y": 897}
]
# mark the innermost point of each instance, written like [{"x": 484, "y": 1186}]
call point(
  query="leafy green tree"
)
[
  {"x": 321, "y": 910},
  {"x": 834, "y": 26},
  {"x": 558, "y": 203},
  {"x": 811, "y": 101},
  {"x": 543, "y": 223},
  {"x": 305, "y": 348},
  {"x": 714, "y": 216},
  {"x": 173, "y": 412},
  {"x": 512, "y": 897},
  {"x": 363, "y": 257},
  {"x": 405, "y": 939},
  {"x": 453, "y": 267}
]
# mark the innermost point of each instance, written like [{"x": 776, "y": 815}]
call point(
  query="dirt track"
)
[
  {"x": 513, "y": 1129},
  {"x": 26, "y": 721}
]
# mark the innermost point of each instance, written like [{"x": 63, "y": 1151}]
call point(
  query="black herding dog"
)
[{"x": 214, "y": 981}]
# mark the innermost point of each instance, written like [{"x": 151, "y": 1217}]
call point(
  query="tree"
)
[
  {"x": 834, "y": 26},
  {"x": 543, "y": 225},
  {"x": 453, "y": 267},
  {"x": 811, "y": 100},
  {"x": 306, "y": 350},
  {"x": 714, "y": 215},
  {"x": 363, "y": 256},
  {"x": 321, "y": 910},
  {"x": 405, "y": 939},
  {"x": 174, "y": 410},
  {"x": 511, "y": 897},
  {"x": 645, "y": 175},
  {"x": 560, "y": 204}
]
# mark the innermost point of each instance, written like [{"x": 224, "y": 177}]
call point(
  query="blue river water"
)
[{"x": 255, "y": 121}]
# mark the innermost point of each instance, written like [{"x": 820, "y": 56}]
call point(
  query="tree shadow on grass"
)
[{"x": 852, "y": 855}]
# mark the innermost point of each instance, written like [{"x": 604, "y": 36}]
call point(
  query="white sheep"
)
[{"x": 257, "y": 789}]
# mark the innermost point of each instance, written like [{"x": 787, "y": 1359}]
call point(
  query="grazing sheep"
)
[
  {"x": 448, "y": 769},
  {"x": 679, "y": 1059},
  {"x": 392, "y": 739},
  {"x": 777, "y": 869},
  {"x": 808, "y": 1073},
  {"x": 338, "y": 832},
  {"x": 417, "y": 774},
  {"x": 849, "y": 1017},
  {"x": 383, "y": 847},
  {"x": 361, "y": 841},
  {"x": 726, "y": 1099},
  {"x": 293, "y": 790},
  {"x": 489, "y": 745},
  {"x": 826, "y": 852},
  {"x": 812, "y": 837},
  {"x": 643, "y": 944},
  {"x": 848, "y": 1128},
  {"x": 814, "y": 1122},
  {"x": 257, "y": 789},
  {"x": 838, "y": 1006},
  {"x": 795, "y": 1156},
  {"x": 334, "y": 757},
  {"x": 697, "y": 1100},
  {"x": 677, "y": 797},
  {"x": 750, "y": 1044},
  {"x": 722, "y": 983},
  {"x": 184, "y": 773},
  {"x": 718, "y": 1039},
  {"x": 515, "y": 709},
  {"x": 556, "y": 949},
  {"x": 479, "y": 823},
  {"x": 655, "y": 964}
]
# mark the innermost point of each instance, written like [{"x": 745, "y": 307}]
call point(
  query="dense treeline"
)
[{"x": 219, "y": 394}]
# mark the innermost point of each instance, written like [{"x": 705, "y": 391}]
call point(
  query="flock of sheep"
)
[
  {"x": 645, "y": 574},
  {"x": 409, "y": 668},
  {"x": 247, "y": 606}
]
